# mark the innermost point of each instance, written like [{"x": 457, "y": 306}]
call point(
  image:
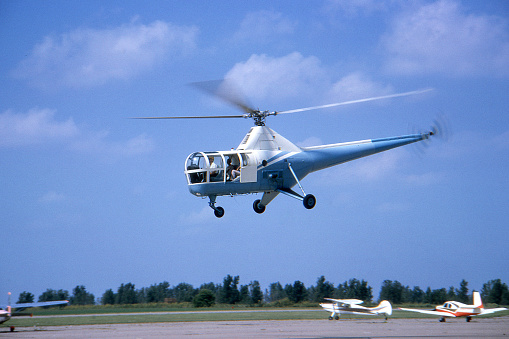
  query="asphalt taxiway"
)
[{"x": 346, "y": 328}]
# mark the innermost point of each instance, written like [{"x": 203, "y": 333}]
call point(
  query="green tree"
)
[
  {"x": 157, "y": 293},
  {"x": 255, "y": 292},
  {"x": 354, "y": 289},
  {"x": 324, "y": 289},
  {"x": 25, "y": 297},
  {"x": 392, "y": 291},
  {"x": 496, "y": 292},
  {"x": 229, "y": 292},
  {"x": 462, "y": 292},
  {"x": 245, "y": 298},
  {"x": 184, "y": 292},
  {"x": 296, "y": 292},
  {"x": 204, "y": 298},
  {"x": 108, "y": 297},
  {"x": 439, "y": 296},
  {"x": 126, "y": 294},
  {"x": 276, "y": 292},
  {"x": 80, "y": 296},
  {"x": 52, "y": 295},
  {"x": 417, "y": 295}
]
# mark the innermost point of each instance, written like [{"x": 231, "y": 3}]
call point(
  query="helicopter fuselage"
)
[{"x": 265, "y": 162}]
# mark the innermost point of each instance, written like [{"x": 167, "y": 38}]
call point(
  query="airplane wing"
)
[
  {"x": 346, "y": 301},
  {"x": 443, "y": 314},
  {"x": 492, "y": 310},
  {"x": 21, "y": 307}
]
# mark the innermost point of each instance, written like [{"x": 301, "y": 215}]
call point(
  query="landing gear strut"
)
[{"x": 218, "y": 211}]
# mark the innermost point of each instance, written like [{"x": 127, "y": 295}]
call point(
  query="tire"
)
[
  {"x": 219, "y": 212},
  {"x": 258, "y": 208},
  {"x": 309, "y": 201}
]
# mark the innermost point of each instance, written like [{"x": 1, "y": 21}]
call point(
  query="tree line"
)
[{"x": 229, "y": 292}]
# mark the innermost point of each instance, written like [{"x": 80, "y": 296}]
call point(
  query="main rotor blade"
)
[
  {"x": 356, "y": 101},
  {"x": 226, "y": 91},
  {"x": 196, "y": 117}
]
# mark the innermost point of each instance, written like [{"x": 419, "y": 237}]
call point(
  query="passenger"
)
[{"x": 232, "y": 171}]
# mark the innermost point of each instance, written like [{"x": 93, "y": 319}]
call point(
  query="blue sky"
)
[{"x": 89, "y": 197}]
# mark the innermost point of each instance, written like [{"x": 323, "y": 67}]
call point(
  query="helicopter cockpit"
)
[{"x": 210, "y": 167}]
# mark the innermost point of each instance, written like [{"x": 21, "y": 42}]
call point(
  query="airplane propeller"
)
[{"x": 225, "y": 90}]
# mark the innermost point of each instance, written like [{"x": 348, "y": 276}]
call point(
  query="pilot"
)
[{"x": 212, "y": 165}]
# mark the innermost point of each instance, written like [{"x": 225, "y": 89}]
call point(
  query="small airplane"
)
[
  {"x": 8, "y": 313},
  {"x": 456, "y": 309},
  {"x": 352, "y": 306},
  {"x": 265, "y": 162}
]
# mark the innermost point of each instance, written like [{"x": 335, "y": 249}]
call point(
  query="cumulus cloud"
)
[
  {"x": 440, "y": 37},
  {"x": 357, "y": 85},
  {"x": 262, "y": 26},
  {"x": 35, "y": 126},
  {"x": 40, "y": 126},
  {"x": 88, "y": 57},
  {"x": 263, "y": 76},
  {"x": 296, "y": 77}
]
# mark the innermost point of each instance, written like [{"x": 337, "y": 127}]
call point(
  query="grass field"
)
[{"x": 121, "y": 315}]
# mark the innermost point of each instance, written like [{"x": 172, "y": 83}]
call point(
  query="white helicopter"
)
[{"x": 265, "y": 162}]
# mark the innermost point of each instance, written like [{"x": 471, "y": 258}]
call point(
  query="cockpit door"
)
[{"x": 248, "y": 172}]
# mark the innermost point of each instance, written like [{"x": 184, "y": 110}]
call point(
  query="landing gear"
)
[
  {"x": 331, "y": 317},
  {"x": 442, "y": 320},
  {"x": 469, "y": 318},
  {"x": 309, "y": 201},
  {"x": 218, "y": 211},
  {"x": 258, "y": 207}
]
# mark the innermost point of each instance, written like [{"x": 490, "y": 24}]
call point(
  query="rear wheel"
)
[{"x": 258, "y": 208}]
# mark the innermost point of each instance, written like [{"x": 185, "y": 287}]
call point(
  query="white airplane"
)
[
  {"x": 352, "y": 306},
  {"x": 456, "y": 309},
  {"x": 8, "y": 313}
]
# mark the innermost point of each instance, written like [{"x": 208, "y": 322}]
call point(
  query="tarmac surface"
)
[{"x": 345, "y": 328}]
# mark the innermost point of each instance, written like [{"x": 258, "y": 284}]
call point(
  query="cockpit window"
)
[{"x": 215, "y": 165}]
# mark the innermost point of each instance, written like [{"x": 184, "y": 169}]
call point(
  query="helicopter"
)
[{"x": 266, "y": 162}]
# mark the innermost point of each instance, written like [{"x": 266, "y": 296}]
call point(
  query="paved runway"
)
[{"x": 346, "y": 328}]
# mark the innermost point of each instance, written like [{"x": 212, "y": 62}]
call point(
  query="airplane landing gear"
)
[
  {"x": 442, "y": 320},
  {"x": 469, "y": 318},
  {"x": 218, "y": 211},
  {"x": 258, "y": 207}
]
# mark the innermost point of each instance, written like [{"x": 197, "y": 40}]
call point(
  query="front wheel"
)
[
  {"x": 258, "y": 208},
  {"x": 219, "y": 212},
  {"x": 309, "y": 201}
]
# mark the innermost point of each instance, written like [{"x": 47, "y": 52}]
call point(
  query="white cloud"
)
[
  {"x": 36, "y": 126},
  {"x": 441, "y": 37},
  {"x": 51, "y": 197},
  {"x": 39, "y": 126},
  {"x": 290, "y": 76},
  {"x": 263, "y": 26},
  {"x": 88, "y": 57},
  {"x": 357, "y": 85},
  {"x": 98, "y": 143},
  {"x": 354, "y": 7}
]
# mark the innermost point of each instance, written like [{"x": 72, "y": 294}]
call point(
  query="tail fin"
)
[
  {"x": 476, "y": 296},
  {"x": 384, "y": 307}
]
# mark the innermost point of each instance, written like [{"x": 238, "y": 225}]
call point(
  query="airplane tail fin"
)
[
  {"x": 384, "y": 307},
  {"x": 477, "y": 299}
]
